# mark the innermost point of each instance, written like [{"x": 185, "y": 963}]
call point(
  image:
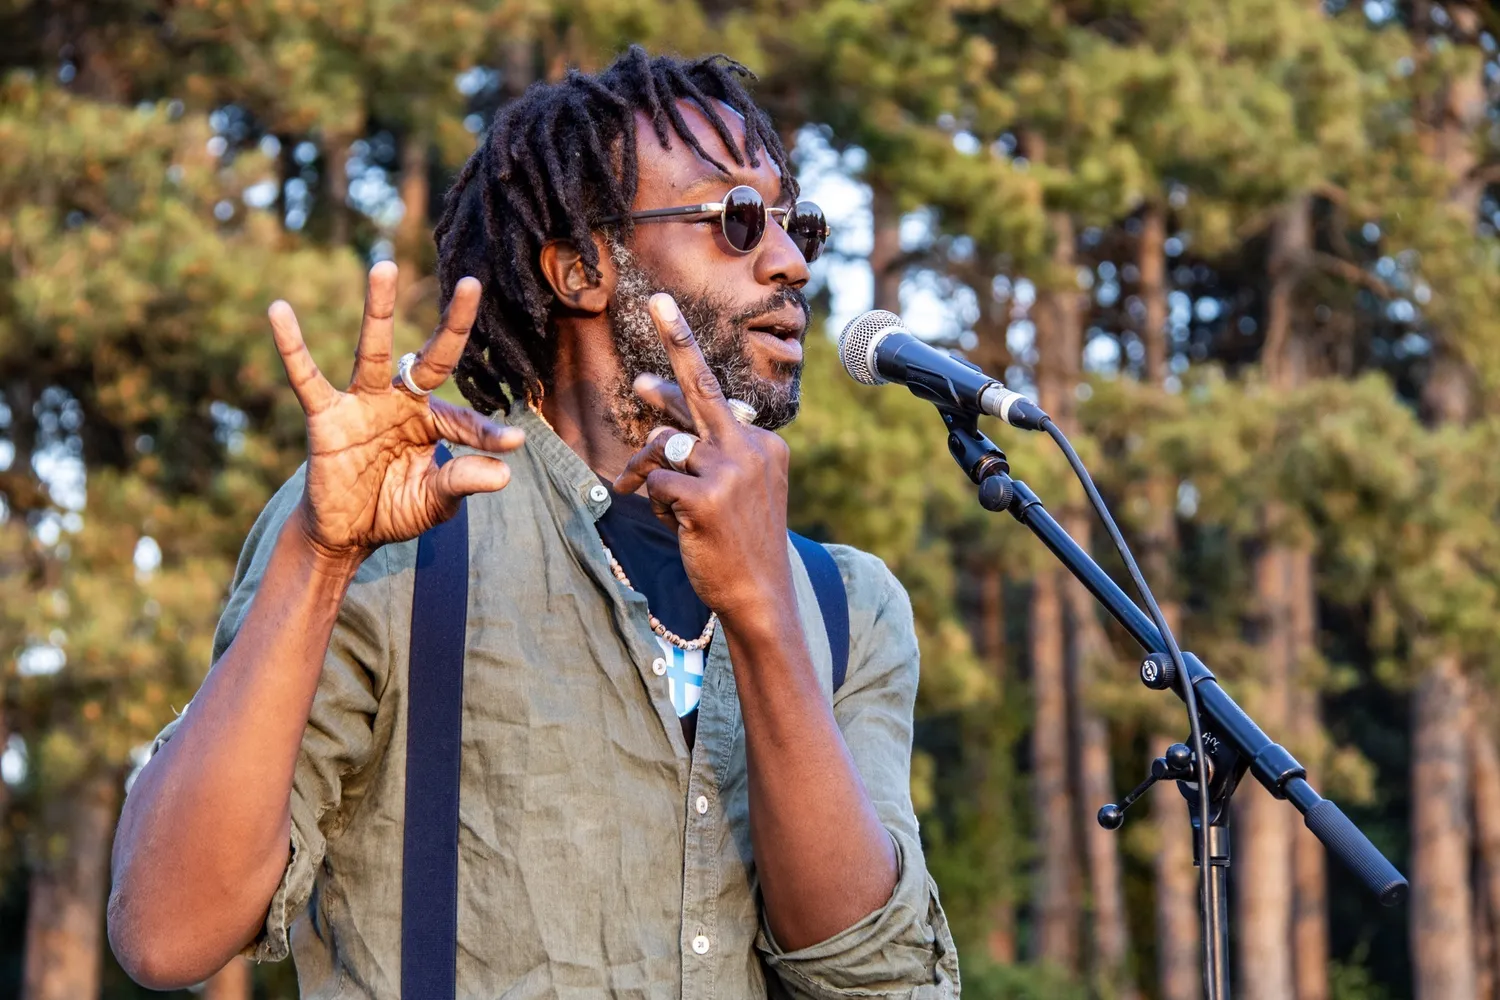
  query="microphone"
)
[{"x": 876, "y": 348}]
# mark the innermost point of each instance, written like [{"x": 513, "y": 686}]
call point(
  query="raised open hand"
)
[{"x": 371, "y": 476}]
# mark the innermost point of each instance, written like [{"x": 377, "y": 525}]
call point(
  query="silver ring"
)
[
  {"x": 679, "y": 447},
  {"x": 403, "y": 368},
  {"x": 743, "y": 411}
]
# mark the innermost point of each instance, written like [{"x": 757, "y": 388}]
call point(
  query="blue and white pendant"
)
[{"x": 684, "y": 676}]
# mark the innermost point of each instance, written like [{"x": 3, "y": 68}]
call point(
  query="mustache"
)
[{"x": 775, "y": 303}]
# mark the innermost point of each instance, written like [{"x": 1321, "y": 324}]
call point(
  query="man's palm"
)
[{"x": 371, "y": 478}]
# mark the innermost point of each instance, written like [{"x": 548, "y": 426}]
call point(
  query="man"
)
[{"x": 735, "y": 829}]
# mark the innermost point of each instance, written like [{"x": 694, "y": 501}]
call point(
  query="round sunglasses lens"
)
[
  {"x": 808, "y": 228},
  {"x": 744, "y": 218}
]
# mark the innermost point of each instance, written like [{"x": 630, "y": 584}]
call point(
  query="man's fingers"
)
[
  {"x": 372, "y": 358},
  {"x": 666, "y": 397},
  {"x": 666, "y": 489},
  {"x": 641, "y": 464},
  {"x": 700, "y": 389},
  {"x": 469, "y": 474},
  {"x": 313, "y": 391},
  {"x": 653, "y": 456},
  {"x": 439, "y": 356},
  {"x": 465, "y": 426}
]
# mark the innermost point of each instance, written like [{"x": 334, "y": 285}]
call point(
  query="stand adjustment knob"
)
[
  {"x": 1179, "y": 757},
  {"x": 1111, "y": 816},
  {"x": 996, "y": 493},
  {"x": 1158, "y": 672}
]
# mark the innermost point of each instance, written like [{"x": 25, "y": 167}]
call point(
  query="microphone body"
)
[{"x": 876, "y": 348}]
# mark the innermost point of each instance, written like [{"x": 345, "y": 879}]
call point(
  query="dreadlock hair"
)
[{"x": 556, "y": 162}]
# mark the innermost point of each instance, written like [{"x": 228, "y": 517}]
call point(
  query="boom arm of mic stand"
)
[{"x": 1270, "y": 762}]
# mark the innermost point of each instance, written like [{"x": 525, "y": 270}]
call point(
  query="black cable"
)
[{"x": 1189, "y": 696}]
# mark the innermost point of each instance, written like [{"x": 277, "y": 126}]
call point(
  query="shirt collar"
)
[{"x": 569, "y": 472}]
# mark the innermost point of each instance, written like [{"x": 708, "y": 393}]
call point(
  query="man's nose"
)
[{"x": 777, "y": 259}]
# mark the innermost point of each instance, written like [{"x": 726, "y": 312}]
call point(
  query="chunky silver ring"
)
[
  {"x": 679, "y": 447},
  {"x": 403, "y": 368},
  {"x": 743, "y": 411}
]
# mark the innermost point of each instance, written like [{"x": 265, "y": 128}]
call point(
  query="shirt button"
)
[
  {"x": 598, "y": 493},
  {"x": 702, "y": 804},
  {"x": 658, "y": 666},
  {"x": 700, "y": 945}
]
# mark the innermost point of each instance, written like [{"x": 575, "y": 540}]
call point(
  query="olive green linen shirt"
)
[{"x": 599, "y": 856}]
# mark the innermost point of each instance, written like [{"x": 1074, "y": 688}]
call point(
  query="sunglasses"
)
[{"x": 742, "y": 216}]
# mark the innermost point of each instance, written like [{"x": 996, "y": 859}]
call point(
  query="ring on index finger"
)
[
  {"x": 742, "y": 411},
  {"x": 403, "y": 368},
  {"x": 679, "y": 447}
]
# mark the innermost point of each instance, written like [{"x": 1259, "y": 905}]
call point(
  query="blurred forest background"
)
[{"x": 1246, "y": 252}]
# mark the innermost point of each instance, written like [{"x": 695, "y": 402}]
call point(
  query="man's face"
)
[{"x": 747, "y": 310}]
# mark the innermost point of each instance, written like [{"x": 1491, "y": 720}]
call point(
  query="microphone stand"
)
[{"x": 1232, "y": 742}]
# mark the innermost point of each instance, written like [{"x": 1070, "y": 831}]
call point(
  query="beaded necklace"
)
[
  {"x": 656, "y": 625},
  {"x": 688, "y": 645}
]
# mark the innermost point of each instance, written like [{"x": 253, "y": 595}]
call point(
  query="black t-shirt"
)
[{"x": 648, "y": 552}]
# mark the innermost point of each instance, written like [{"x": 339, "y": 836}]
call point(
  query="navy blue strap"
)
[
  {"x": 434, "y": 728},
  {"x": 833, "y": 601}
]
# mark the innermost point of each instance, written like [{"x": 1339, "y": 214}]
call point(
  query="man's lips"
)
[
  {"x": 787, "y": 325},
  {"x": 780, "y": 335}
]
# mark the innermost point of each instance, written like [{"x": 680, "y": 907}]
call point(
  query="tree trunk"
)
[
  {"x": 1000, "y": 939},
  {"x": 286, "y": 168},
  {"x": 1060, "y": 312},
  {"x": 1058, "y": 336},
  {"x": 1179, "y": 943},
  {"x": 1441, "y": 936},
  {"x": 4, "y": 739},
  {"x": 1310, "y": 915},
  {"x": 230, "y": 983},
  {"x": 518, "y": 62},
  {"x": 1484, "y": 940},
  {"x": 1284, "y": 354},
  {"x": 1179, "y": 949},
  {"x": 1264, "y": 883},
  {"x": 1309, "y": 861},
  {"x": 1000, "y": 933},
  {"x": 1111, "y": 938},
  {"x": 1448, "y": 393},
  {"x": 990, "y": 640},
  {"x": 69, "y": 885},
  {"x": 1263, "y": 861},
  {"x": 1484, "y": 763},
  {"x": 885, "y": 251},
  {"x": 991, "y": 350},
  {"x": 1456, "y": 110},
  {"x": 1151, "y": 262},
  {"x": 1060, "y": 339},
  {"x": 1310, "y": 885},
  {"x": 413, "y": 236},
  {"x": 336, "y": 187},
  {"x": 1057, "y": 904}
]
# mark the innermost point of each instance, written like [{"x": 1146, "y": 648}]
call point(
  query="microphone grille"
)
[{"x": 857, "y": 344}]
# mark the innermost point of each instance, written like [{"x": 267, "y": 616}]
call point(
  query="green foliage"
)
[
  {"x": 134, "y": 277},
  {"x": 1352, "y": 981},
  {"x": 1015, "y": 982}
]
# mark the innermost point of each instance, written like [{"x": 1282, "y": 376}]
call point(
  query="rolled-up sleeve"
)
[
  {"x": 338, "y": 738},
  {"x": 905, "y": 948}
]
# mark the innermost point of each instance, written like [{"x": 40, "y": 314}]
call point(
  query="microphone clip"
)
[{"x": 977, "y": 455}]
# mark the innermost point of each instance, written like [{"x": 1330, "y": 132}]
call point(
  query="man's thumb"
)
[{"x": 469, "y": 474}]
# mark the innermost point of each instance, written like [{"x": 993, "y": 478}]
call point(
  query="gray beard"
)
[{"x": 721, "y": 336}]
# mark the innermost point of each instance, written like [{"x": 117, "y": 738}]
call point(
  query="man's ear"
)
[{"x": 565, "y": 271}]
